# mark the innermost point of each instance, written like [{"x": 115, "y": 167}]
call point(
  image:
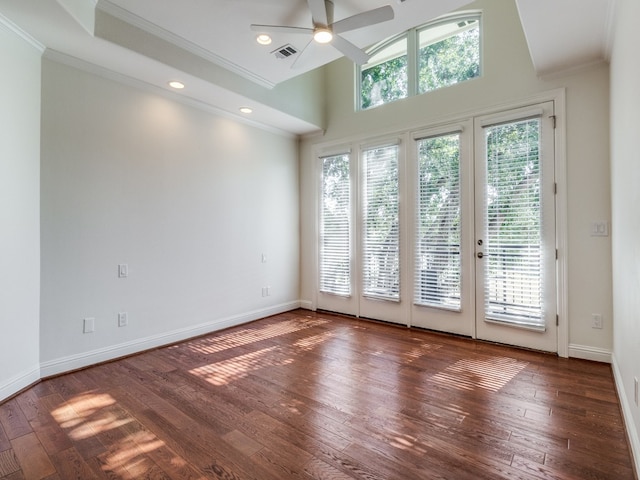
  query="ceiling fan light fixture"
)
[
  {"x": 263, "y": 39},
  {"x": 322, "y": 35}
]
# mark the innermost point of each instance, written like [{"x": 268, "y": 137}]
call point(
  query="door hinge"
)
[
  {"x": 555, "y": 188},
  {"x": 557, "y": 320},
  {"x": 553, "y": 119},
  {"x": 556, "y": 253}
]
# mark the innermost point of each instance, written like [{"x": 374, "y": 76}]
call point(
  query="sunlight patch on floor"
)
[
  {"x": 491, "y": 374},
  {"x": 128, "y": 459},
  {"x": 219, "y": 343},
  {"x": 308, "y": 343},
  {"x": 91, "y": 414},
  {"x": 420, "y": 351},
  {"x": 225, "y": 371}
]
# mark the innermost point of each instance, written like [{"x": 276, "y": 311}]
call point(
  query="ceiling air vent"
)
[{"x": 285, "y": 51}]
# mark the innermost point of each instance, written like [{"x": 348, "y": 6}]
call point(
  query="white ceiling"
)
[{"x": 562, "y": 34}]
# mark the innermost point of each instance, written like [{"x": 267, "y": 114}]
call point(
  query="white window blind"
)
[
  {"x": 437, "y": 242},
  {"x": 512, "y": 214},
  {"x": 380, "y": 252},
  {"x": 335, "y": 226}
]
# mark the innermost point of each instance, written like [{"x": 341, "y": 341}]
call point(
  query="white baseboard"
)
[
  {"x": 14, "y": 384},
  {"x": 590, "y": 353},
  {"x": 74, "y": 362},
  {"x": 307, "y": 305},
  {"x": 632, "y": 432}
]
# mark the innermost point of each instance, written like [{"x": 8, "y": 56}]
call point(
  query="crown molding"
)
[
  {"x": 13, "y": 28},
  {"x": 132, "y": 19}
]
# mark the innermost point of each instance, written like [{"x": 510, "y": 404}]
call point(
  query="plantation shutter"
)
[
  {"x": 437, "y": 242},
  {"x": 513, "y": 286},
  {"x": 335, "y": 226},
  {"x": 381, "y": 239}
]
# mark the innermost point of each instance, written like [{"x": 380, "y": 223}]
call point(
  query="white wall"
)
[
  {"x": 508, "y": 76},
  {"x": 19, "y": 212},
  {"x": 189, "y": 200},
  {"x": 625, "y": 182}
]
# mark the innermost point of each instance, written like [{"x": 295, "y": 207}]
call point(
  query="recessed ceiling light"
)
[
  {"x": 246, "y": 109},
  {"x": 263, "y": 39},
  {"x": 322, "y": 35},
  {"x": 177, "y": 85}
]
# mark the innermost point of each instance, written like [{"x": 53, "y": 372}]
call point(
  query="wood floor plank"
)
[
  {"x": 305, "y": 395},
  {"x": 34, "y": 461},
  {"x": 8, "y": 462},
  {"x": 71, "y": 466},
  {"x": 13, "y": 421}
]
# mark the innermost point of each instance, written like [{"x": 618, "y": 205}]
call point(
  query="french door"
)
[
  {"x": 452, "y": 231},
  {"x": 515, "y": 228}
]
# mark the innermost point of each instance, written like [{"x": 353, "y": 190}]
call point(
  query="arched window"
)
[{"x": 441, "y": 53}]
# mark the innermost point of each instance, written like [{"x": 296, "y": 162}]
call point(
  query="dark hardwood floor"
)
[{"x": 316, "y": 396}]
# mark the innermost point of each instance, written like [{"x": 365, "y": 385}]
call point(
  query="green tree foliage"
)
[
  {"x": 452, "y": 60},
  {"x": 384, "y": 83}
]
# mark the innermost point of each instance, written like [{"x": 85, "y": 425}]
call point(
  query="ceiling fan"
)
[{"x": 325, "y": 30}]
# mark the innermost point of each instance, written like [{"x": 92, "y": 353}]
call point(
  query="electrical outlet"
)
[
  {"x": 264, "y": 291},
  {"x": 596, "y": 320},
  {"x": 123, "y": 319},
  {"x": 88, "y": 325},
  {"x": 635, "y": 390}
]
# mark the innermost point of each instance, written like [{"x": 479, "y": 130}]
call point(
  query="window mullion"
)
[{"x": 412, "y": 62}]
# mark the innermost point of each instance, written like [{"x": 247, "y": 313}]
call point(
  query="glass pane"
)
[
  {"x": 381, "y": 253},
  {"x": 335, "y": 226},
  {"x": 437, "y": 281},
  {"x": 449, "y": 53},
  {"x": 384, "y": 77},
  {"x": 513, "y": 222}
]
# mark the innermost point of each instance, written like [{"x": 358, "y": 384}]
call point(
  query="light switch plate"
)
[{"x": 599, "y": 229}]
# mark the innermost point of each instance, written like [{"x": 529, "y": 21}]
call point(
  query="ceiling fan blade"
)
[
  {"x": 297, "y": 63},
  {"x": 350, "y": 50},
  {"x": 364, "y": 19},
  {"x": 318, "y": 12},
  {"x": 280, "y": 29}
]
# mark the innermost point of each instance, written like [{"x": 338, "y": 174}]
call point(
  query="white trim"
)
[
  {"x": 13, "y": 28},
  {"x": 19, "y": 382},
  {"x": 86, "y": 359},
  {"x": 103, "y": 72},
  {"x": 437, "y": 132},
  {"x": 553, "y": 74},
  {"x": 586, "y": 352},
  {"x": 627, "y": 416},
  {"x": 132, "y": 19},
  {"x": 307, "y": 305},
  {"x": 341, "y": 149},
  {"x": 390, "y": 141},
  {"x": 510, "y": 116},
  {"x": 562, "y": 222}
]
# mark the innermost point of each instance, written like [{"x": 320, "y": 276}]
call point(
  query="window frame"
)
[{"x": 413, "y": 51}]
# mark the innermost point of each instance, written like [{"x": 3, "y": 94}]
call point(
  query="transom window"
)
[{"x": 447, "y": 51}]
